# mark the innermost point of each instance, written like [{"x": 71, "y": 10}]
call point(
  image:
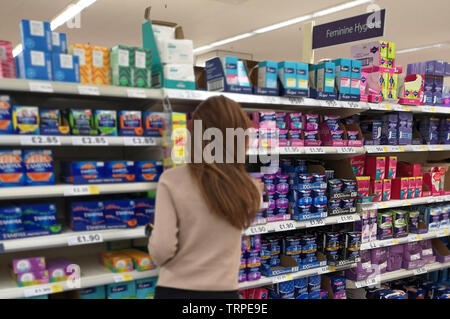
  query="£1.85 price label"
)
[
  {"x": 40, "y": 140},
  {"x": 85, "y": 239},
  {"x": 89, "y": 141}
]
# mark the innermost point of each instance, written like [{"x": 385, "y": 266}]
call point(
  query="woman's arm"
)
[{"x": 163, "y": 241}]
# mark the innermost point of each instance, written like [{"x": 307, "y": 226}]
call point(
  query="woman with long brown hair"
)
[{"x": 202, "y": 209}]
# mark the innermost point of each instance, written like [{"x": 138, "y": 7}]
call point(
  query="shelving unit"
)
[
  {"x": 393, "y": 275},
  {"x": 405, "y": 202}
]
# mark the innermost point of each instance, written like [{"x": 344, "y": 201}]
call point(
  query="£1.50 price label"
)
[
  {"x": 40, "y": 140},
  {"x": 282, "y": 278},
  {"x": 314, "y": 150},
  {"x": 315, "y": 223},
  {"x": 345, "y": 219},
  {"x": 85, "y": 239},
  {"x": 345, "y": 150},
  {"x": 81, "y": 190},
  {"x": 285, "y": 226},
  {"x": 258, "y": 229}
]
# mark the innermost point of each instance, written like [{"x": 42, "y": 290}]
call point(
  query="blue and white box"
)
[
  {"x": 66, "y": 67},
  {"x": 343, "y": 75},
  {"x": 325, "y": 77},
  {"x": 287, "y": 74},
  {"x": 36, "y": 35},
  {"x": 242, "y": 75},
  {"x": 356, "y": 77},
  {"x": 59, "y": 42},
  {"x": 230, "y": 68},
  {"x": 35, "y": 65},
  {"x": 268, "y": 74},
  {"x": 301, "y": 70}
]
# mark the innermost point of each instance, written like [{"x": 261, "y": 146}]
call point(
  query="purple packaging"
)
[
  {"x": 28, "y": 265},
  {"x": 32, "y": 278},
  {"x": 255, "y": 242},
  {"x": 269, "y": 178},
  {"x": 242, "y": 275},
  {"x": 252, "y": 258},
  {"x": 243, "y": 261},
  {"x": 282, "y": 138},
  {"x": 352, "y": 135},
  {"x": 435, "y": 68},
  {"x": 379, "y": 255},
  {"x": 281, "y": 120},
  {"x": 58, "y": 269},
  {"x": 389, "y": 129},
  {"x": 337, "y": 135},
  {"x": 312, "y": 122},
  {"x": 271, "y": 188},
  {"x": 253, "y": 273},
  {"x": 282, "y": 188},
  {"x": 395, "y": 257},
  {"x": 411, "y": 251},
  {"x": 332, "y": 121},
  {"x": 296, "y": 121},
  {"x": 311, "y": 135}
]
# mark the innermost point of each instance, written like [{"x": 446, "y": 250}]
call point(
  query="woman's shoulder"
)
[{"x": 174, "y": 174}]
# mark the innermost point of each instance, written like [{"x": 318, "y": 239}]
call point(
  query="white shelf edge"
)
[
  {"x": 397, "y": 274},
  {"x": 405, "y": 202},
  {"x": 61, "y": 240},
  {"x": 410, "y": 238},
  {"x": 58, "y": 190}
]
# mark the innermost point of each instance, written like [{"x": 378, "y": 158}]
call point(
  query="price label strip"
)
[
  {"x": 81, "y": 190},
  {"x": 368, "y": 282},
  {"x": 255, "y": 230},
  {"x": 42, "y": 290},
  {"x": 123, "y": 277},
  {"x": 136, "y": 93},
  {"x": 139, "y": 141},
  {"x": 45, "y": 87},
  {"x": 315, "y": 223},
  {"x": 40, "y": 140},
  {"x": 285, "y": 226},
  {"x": 323, "y": 270},
  {"x": 88, "y": 90},
  {"x": 89, "y": 141},
  {"x": 314, "y": 150},
  {"x": 420, "y": 271},
  {"x": 85, "y": 239},
  {"x": 345, "y": 219},
  {"x": 282, "y": 278},
  {"x": 345, "y": 150},
  {"x": 414, "y": 238}
]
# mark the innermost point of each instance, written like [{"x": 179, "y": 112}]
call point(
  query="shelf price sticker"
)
[
  {"x": 323, "y": 270},
  {"x": 442, "y": 233},
  {"x": 123, "y": 277},
  {"x": 414, "y": 238},
  {"x": 259, "y": 229},
  {"x": 282, "y": 278},
  {"x": 435, "y": 148},
  {"x": 353, "y": 105},
  {"x": 285, "y": 226},
  {"x": 375, "y": 149},
  {"x": 89, "y": 141},
  {"x": 139, "y": 141},
  {"x": 387, "y": 107},
  {"x": 420, "y": 271},
  {"x": 136, "y": 93},
  {"x": 45, "y": 87},
  {"x": 419, "y": 148},
  {"x": 374, "y": 244},
  {"x": 85, "y": 239},
  {"x": 290, "y": 150},
  {"x": 314, "y": 150},
  {"x": 42, "y": 290},
  {"x": 345, "y": 219},
  {"x": 40, "y": 140},
  {"x": 345, "y": 150},
  {"x": 315, "y": 223},
  {"x": 389, "y": 242},
  {"x": 88, "y": 90},
  {"x": 81, "y": 190}
]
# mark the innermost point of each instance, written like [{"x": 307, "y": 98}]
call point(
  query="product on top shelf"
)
[{"x": 7, "y": 61}]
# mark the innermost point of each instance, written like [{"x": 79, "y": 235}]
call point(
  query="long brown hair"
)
[{"x": 226, "y": 187}]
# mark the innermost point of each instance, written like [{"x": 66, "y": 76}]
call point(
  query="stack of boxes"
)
[
  {"x": 7, "y": 64},
  {"x": 292, "y": 75},
  {"x": 348, "y": 76},
  {"x": 378, "y": 66},
  {"x": 94, "y": 63},
  {"x": 44, "y": 55},
  {"x": 131, "y": 66}
]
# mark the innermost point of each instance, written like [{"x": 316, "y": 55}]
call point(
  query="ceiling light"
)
[
  {"x": 344, "y": 6},
  {"x": 426, "y": 47},
  {"x": 69, "y": 13}
]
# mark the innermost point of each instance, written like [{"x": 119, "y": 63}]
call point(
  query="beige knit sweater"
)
[{"x": 194, "y": 248}]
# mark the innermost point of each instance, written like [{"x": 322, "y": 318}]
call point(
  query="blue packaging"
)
[
  {"x": 36, "y": 35},
  {"x": 66, "y": 67},
  {"x": 144, "y": 209},
  {"x": 230, "y": 68},
  {"x": 153, "y": 124},
  {"x": 87, "y": 215},
  {"x": 6, "y": 126},
  {"x": 300, "y": 287},
  {"x": 97, "y": 292},
  {"x": 242, "y": 75},
  {"x": 50, "y": 122},
  {"x": 145, "y": 288},
  {"x": 148, "y": 171},
  {"x": 40, "y": 217},
  {"x": 89, "y": 172},
  {"x": 11, "y": 220},
  {"x": 39, "y": 167},
  {"x": 268, "y": 74},
  {"x": 34, "y": 65},
  {"x": 26, "y": 120},
  {"x": 314, "y": 295},
  {"x": 119, "y": 171},
  {"x": 59, "y": 42},
  {"x": 105, "y": 122},
  {"x": 343, "y": 75},
  {"x": 130, "y": 123},
  {"x": 285, "y": 289},
  {"x": 314, "y": 283},
  {"x": 356, "y": 77},
  {"x": 287, "y": 74},
  {"x": 123, "y": 290},
  {"x": 325, "y": 77},
  {"x": 12, "y": 170},
  {"x": 319, "y": 208},
  {"x": 120, "y": 213},
  {"x": 302, "y": 76}
]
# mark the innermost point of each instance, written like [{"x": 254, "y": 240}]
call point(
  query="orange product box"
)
[
  {"x": 84, "y": 53},
  {"x": 101, "y": 66}
]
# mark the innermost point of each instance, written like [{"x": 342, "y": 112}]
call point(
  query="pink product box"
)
[
  {"x": 387, "y": 190},
  {"x": 412, "y": 188},
  {"x": 418, "y": 189},
  {"x": 32, "y": 278},
  {"x": 312, "y": 138},
  {"x": 391, "y": 167},
  {"x": 377, "y": 190},
  {"x": 363, "y": 85},
  {"x": 331, "y": 138},
  {"x": 295, "y": 121},
  {"x": 267, "y": 120},
  {"x": 363, "y": 183},
  {"x": 283, "y": 138},
  {"x": 278, "y": 218},
  {"x": 375, "y": 167},
  {"x": 295, "y": 138},
  {"x": 400, "y": 187},
  {"x": 28, "y": 265},
  {"x": 432, "y": 180},
  {"x": 374, "y": 53},
  {"x": 254, "y": 118},
  {"x": 357, "y": 163}
]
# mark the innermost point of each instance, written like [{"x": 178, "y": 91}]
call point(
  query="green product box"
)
[
  {"x": 121, "y": 65},
  {"x": 82, "y": 122},
  {"x": 141, "y": 67},
  {"x": 106, "y": 122}
]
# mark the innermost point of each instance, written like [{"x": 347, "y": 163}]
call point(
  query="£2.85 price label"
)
[
  {"x": 89, "y": 141},
  {"x": 40, "y": 140},
  {"x": 85, "y": 239},
  {"x": 139, "y": 141}
]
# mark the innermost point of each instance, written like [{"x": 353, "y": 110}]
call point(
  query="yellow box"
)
[
  {"x": 141, "y": 260},
  {"x": 100, "y": 67},
  {"x": 84, "y": 52},
  {"x": 117, "y": 262}
]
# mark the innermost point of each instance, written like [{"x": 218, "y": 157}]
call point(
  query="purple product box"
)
[
  {"x": 408, "y": 265},
  {"x": 242, "y": 275},
  {"x": 435, "y": 68},
  {"x": 389, "y": 129},
  {"x": 411, "y": 251},
  {"x": 447, "y": 69},
  {"x": 253, "y": 273},
  {"x": 379, "y": 255},
  {"x": 394, "y": 261},
  {"x": 58, "y": 269},
  {"x": 428, "y": 85},
  {"x": 32, "y": 278},
  {"x": 437, "y": 98},
  {"x": 28, "y": 265}
]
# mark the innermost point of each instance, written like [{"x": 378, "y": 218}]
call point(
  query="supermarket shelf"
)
[
  {"x": 409, "y": 239},
  {"x": 307, "y": 150},
  {"x": 406, "y": 148},
  {"x": 265, "y": 281},
  {"x": 405, "y": 202},
  {"x": 92, "y": 274},
  {"x": 64, "y": 88},
  {"x": 388, "y": 106},
  {"x": 288, "y": 225},
  {"x": 393, "y": 275},
  {"x": 68, "y": 190},
  {"x": 70, "y": 238},
  {"x": 56, "y": 141}
]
